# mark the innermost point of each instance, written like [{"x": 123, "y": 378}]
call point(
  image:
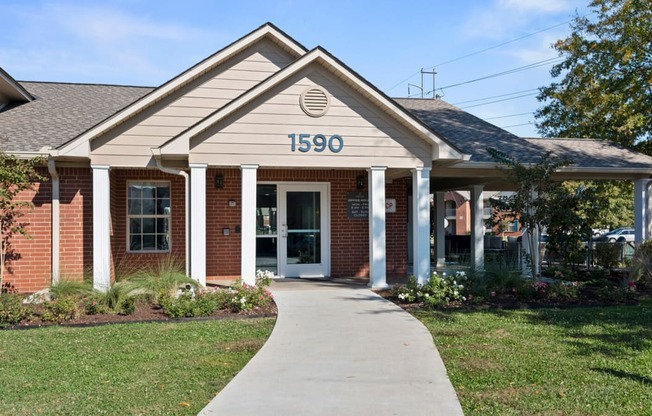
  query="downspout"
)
[
  {"x": 55, "y": 233},
  {"x": 159, "y": 164}
]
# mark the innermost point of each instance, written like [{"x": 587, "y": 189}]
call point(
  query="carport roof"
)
[{"x": 474, "y": 136}]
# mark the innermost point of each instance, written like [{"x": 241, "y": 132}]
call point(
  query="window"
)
[
  {"x": 512, "y": 227},
  {"x": 486, "y": 208},
  {"x": 451, "y": 208},
  {"x": 148, "y": 216}
]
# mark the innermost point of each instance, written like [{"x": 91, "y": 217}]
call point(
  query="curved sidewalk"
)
[{"x": 340, "y": 350}]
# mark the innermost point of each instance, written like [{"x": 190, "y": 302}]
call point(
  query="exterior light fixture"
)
[
  {"x": 219, "y": 181},
  {"x": 359, "y": 182}
]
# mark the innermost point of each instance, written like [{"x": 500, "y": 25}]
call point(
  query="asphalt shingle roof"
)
[
  {"x": 60, "y": 113},
  {"x": 474, "y": 135}
]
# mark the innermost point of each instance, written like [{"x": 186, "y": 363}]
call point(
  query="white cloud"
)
[
  {"x": 91, "y": 43},
  {"x": 530, "y": 6}
]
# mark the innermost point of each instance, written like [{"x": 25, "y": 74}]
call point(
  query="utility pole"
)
[{"x": 421, "y": 87}]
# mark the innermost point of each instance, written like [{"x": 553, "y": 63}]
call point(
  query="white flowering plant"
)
[
  {"x": 437, "y": 291},
  {"x": 264, "y": 277}
]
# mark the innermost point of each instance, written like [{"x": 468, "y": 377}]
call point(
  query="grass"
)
[
  {"x": 154, "y": 368},
  {"x": 582, "y": 361}
]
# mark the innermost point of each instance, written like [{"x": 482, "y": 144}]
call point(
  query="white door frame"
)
[{"x": 322, "y": 269}]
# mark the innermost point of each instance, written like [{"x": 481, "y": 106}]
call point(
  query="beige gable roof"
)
[
  {"x": 441, "y": 148},
  {"x": 80, "y": 145}
]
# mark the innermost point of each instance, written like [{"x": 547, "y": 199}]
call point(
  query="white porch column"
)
[
  {"x": 642, "y": 210},
  {"x": 198, "y": 222},
  {"x": 248, "y": 224},
  {"x": 440, "y": 237},
  {"x": 421, "y": 223},
  {"x": 477, "y": 227},
  {"x": 101, "y": 228},
  {"x": 377, "y": 239}
]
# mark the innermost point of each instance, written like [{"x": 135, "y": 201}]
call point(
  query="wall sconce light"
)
[
  {"x": 219, "y": 181},
  {"x": 359, "y": 182}
]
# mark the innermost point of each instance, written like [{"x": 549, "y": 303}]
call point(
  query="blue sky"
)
[{"x": 139, "y": 42}]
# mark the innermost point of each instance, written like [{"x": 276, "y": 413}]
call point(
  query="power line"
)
[
  {"x": 529, "y": 123},
  {"x": 503, "y": 44},
  {"x": 485, "y": 50},
  {"x": 495, "y": 96},
  {"x": 508, "y": 72},
  {"x": 510, "y": 115},
  {"x": 499, "y": 101}
]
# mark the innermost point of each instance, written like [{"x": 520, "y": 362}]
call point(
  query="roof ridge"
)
[{"x": 86, "y": 84}]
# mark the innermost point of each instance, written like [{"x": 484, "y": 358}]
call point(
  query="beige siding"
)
[
  {"x": 259, "y": 132},
  {"x": 189, "y": 105}
]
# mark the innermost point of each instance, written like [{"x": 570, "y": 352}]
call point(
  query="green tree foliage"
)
[
  {"x": 531, "y": 202},
  {"x": 604, "y": 91},
  {"x": 16, "y": 175}
]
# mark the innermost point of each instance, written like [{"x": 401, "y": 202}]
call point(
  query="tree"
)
[
  {"x": 531, "y": 203},
  {"x": 16, "y": 175},
  {"x": 606, "y": 75},
  {"x": 603, "y": 90}
]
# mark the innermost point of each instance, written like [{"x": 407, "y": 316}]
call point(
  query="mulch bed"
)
[{"x": 144, "y": 313}]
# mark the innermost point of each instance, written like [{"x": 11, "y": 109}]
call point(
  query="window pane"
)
[
  {"x": 163, "y": 207},
  {"x": 135, "y": 206},
  {"x": 149, "y": 226},
  {"x": 149, "y": 207},
  {"x": 162, "y": 242},
  {"x": 149, "y": 242},
  {"x": 135, "y": 244},
  {"x": 135, "y": 226},
  {"x": 163, "y": 192},
  {"x": 162, "y": 225},
  {"x": 149, "y": 191},
  {"x": 135, "y": 191}
]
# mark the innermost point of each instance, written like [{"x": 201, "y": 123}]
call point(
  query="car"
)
[{"x": 620, "y": 235}]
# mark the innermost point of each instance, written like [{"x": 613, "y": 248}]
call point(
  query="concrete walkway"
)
[{"x": 340, "y": 349}]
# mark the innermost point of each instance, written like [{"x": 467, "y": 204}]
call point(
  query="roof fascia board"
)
[
  {"x": 15, "y": 91},
  {"x": 266, "y": 30},
  {"x": 315, "y": 55}
]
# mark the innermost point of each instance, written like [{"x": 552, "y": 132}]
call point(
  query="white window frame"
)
[{"x": 130, "y": 216}]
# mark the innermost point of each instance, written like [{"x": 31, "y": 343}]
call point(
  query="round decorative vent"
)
[{"x": 314, "y": 101}]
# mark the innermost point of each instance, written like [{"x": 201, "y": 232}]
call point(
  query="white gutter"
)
[
  {"x": 56, "y": 236},
  {"x": 159, "y": 164}
]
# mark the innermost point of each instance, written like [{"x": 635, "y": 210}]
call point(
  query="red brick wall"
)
[
  {"x": 123, "y": 261},
  {"x": 32, "y": 270},
  {"x": 349, "y": 237},
  {"x": 76, "y": 210},
  {"x": 29, "y": 269}
]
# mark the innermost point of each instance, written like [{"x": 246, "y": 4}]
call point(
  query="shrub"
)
[
  {"x": 95, "y": 304},
  {"x": 12, "y": 310},
  {"x": 247, "y": 297},
  {"x": 127, "y": 306},
  {"x": 160, "y": 281},
  {"x": 60, "y": 310},
  {"x": 188, "y": 306},
  {"x": 607, "y": 255},
  {"x": 641, "y": 269},
  {"x": 70, "y": 288},
  {"x": 437, "y": 291}
]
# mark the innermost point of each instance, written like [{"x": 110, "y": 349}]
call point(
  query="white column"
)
[
  {"x": 421, "y": 224},
  {"x": 477, "y": 227},
  {"x": 101, "y": 228},
  {"x": 377, "y": 239},
  {"x": 198, "y": 222},
  {"x": 641, "y": 210},
  {"x": 440, "y": 235},
  {"x": 248, "y": 224}
]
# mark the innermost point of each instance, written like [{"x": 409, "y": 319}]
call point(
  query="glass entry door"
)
[{"x": 304, "y": 249}]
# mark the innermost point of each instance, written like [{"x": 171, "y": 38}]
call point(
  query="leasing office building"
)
[{"x": 264, "y": 155}]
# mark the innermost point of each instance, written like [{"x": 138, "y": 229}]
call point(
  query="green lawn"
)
[
  {"x": 585, "y": 361},
  {"x": 132, "y": 369}
]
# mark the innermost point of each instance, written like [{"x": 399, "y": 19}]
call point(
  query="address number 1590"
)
[{"x": 317, "y": 143}]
